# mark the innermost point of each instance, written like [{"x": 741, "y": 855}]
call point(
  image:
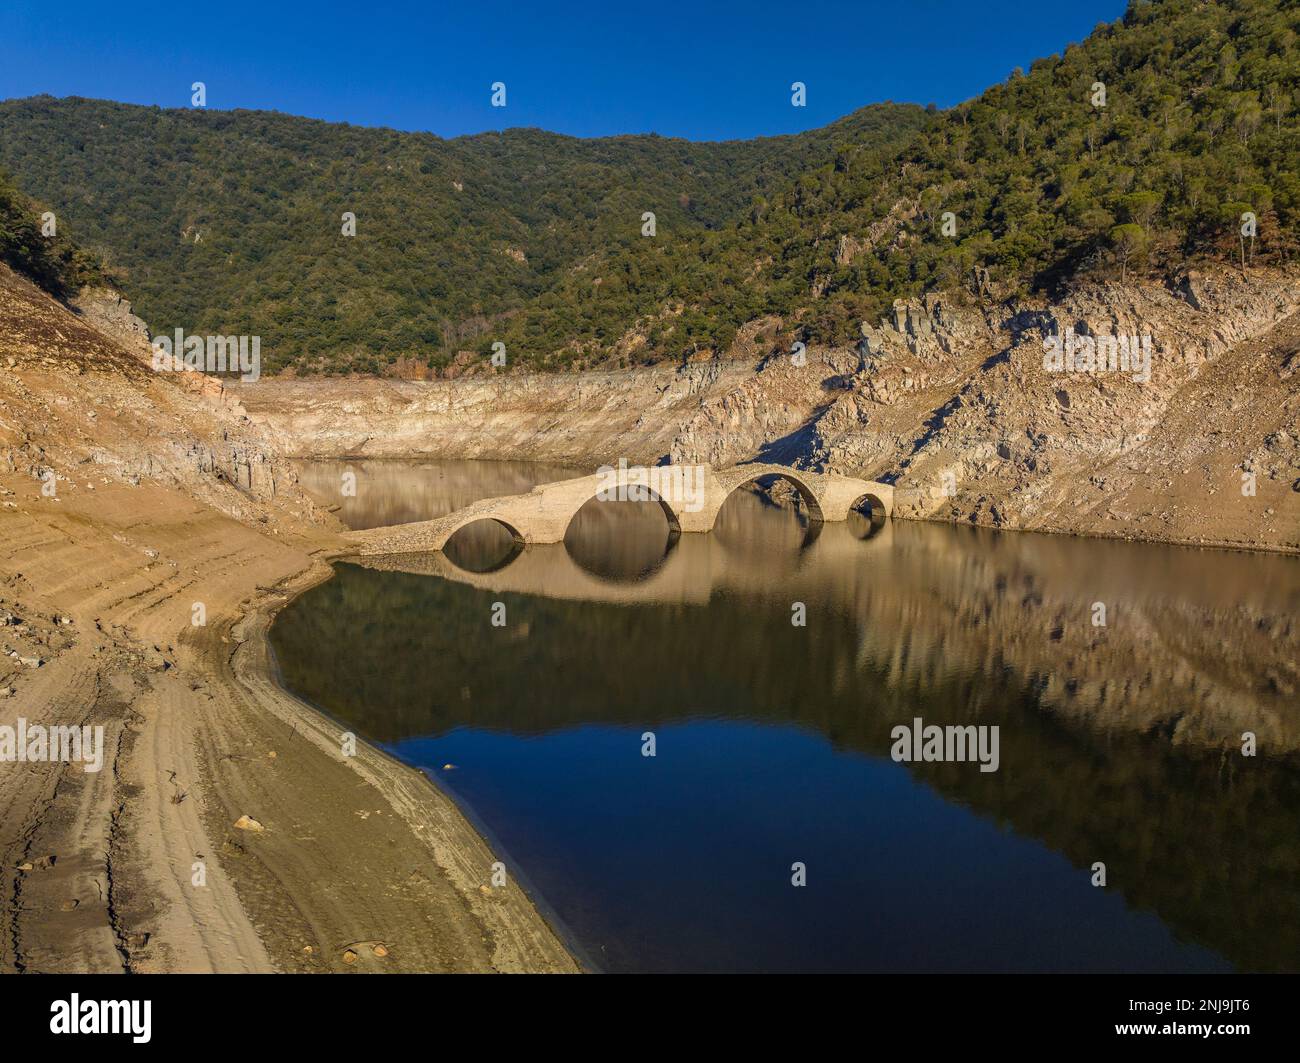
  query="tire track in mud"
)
[{"x": 58, "y": 891}]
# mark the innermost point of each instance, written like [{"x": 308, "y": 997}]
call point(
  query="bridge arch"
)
[
  {"x": 515, "y": 533},
  {"x": 674, "y": 522},
  {"x": 478, "y": 568},
  {"x": 870, "y": 505},
  {"x": 805, "y": 489}
]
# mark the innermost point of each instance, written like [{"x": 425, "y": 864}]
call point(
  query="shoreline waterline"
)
[
  {"x": 254, "y": 661},
  {"x": 475, "y": 822}
]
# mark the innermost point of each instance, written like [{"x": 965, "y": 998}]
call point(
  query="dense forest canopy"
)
[
  {"x": 32, "y": 244},
  {"x": 232, "y": 222},
  {"x": 1138, "y": 150}
]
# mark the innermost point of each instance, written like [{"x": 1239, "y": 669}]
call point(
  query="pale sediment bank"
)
[{"x": 434, "y": 839}]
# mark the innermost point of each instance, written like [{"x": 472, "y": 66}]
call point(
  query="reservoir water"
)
[{"x": 1120, "y": 742}]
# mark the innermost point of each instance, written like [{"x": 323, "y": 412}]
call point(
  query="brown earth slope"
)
[{"x": 129, "y": 499}]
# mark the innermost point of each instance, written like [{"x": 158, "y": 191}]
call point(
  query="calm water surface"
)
[{"x": 773, "y": 741}]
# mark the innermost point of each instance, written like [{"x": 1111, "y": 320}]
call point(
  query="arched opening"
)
[
  {"x": 769, "y": 511},
  {"x": 780, "y": 488},
  {"x": 484, "y": 545},
  {"x": 622, "y": 539},
  {"x": 867, "y": 516}
]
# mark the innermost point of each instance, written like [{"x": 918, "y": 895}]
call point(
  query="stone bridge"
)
[{"x": 691, "y": 496}]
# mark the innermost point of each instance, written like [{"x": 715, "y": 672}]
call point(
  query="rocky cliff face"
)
[
  {"x": 567, "y": 418},
  {"x": 962, "y": 413},
  {"x": 1193, "y": 435},
  {"x": 81, "y": 406},
  {"x": 108, "y": 311}
]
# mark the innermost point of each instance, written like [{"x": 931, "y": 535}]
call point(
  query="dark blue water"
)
[
  {"x": 683, "y": 861},
  {"x": 1118, "y": 745}
]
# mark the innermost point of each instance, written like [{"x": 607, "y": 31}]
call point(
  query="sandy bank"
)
[{"x": 139, "y": 867}]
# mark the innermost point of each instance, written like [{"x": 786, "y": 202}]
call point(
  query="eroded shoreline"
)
[{"x": 510, "y": 919}]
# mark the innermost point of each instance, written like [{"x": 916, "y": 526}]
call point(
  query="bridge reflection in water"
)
[{"x": 645, "y": 560}]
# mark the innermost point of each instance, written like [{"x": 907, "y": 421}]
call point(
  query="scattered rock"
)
[{"x": 248, "y": 823}]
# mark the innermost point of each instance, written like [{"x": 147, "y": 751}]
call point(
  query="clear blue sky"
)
[{"x": 701, "y": 70}]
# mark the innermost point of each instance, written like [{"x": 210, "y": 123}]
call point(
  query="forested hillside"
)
[
  {"x": 232, "y": 221},
  {"x": 44, "y": 255},
  {"x": 1136, "y": 151},
  {"x": 1129, "y": 154}
]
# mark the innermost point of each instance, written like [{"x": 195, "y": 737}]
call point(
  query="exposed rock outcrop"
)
[
  {"x": 108, "y": 311},
  {"x": 79, "y": 409}
]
